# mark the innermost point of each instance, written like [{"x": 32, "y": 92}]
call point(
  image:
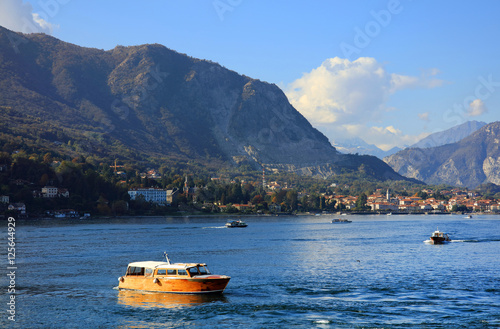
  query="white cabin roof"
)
[{"x": 154, "y": 264}]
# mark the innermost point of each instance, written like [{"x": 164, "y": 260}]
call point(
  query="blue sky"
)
[{"x": 389, "y": 72}]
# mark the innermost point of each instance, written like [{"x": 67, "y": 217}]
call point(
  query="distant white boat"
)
[
  {"x": 338, "y": 220},
  {"x": 236, "y": 223}
]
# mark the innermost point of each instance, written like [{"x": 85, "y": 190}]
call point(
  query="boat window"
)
[
  {"x": 161, "y": 271},
  {"x": 182, "y": 272},
  {"x": 132, "y": 270},
  {"x": 203, "y": 270},
  {"x": 149, "y": 271},
  {"x": 171, "y": 272},
  {"x": 193, "y": 271}
]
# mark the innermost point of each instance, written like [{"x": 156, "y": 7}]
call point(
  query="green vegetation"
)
[
  {"x": 22, "y": 177},
  {"x": 99, "y": 190},
  {"x": 102, "y": 189}
]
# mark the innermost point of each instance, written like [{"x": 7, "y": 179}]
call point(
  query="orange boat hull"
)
[
  {"x": 206, "y": 284},
  {"x": 136, "y": 298}
]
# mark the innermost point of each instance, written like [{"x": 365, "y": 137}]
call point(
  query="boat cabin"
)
[
  {"x": 438, "y": 234},
  {"x": 164, "y": 269}
]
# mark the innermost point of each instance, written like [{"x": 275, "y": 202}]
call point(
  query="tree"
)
[
  {"x": 459, "y": 208},
  {"x": 44, "y": 179},
  {"x": 322, "y": 203},
  {"x": 361, "y": 202},
  {"x": 47, "y": 158},
  {"x": 120, "y": 207},
  {"x": 291, "y": 199},
  {"x": 257, "y": 199},
  {"x": 422, "y": 195},
  {"x": 236, "y": 194}
]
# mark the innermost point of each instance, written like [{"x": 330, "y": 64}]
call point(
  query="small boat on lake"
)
[
  {"x": 184, "y": 278},
  {"x": 236, "y": 223},
  {"x": 439, "y": 237},
  {"x": 338, "y": 220}
]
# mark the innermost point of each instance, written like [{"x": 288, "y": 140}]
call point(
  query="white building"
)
[
  {"x": 53, "y": 192},
  {"x": 151, "y": 194},
  {"x": 49, "y": 191},
  {"x": 383, "y": 206}
]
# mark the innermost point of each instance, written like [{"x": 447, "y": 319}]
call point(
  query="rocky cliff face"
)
[
  {"x": 149, "y": 103},
  {"x": 470, "y": 162}
]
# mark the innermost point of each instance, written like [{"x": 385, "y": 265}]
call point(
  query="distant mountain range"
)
[
  {"x": 469, "y": 162},
  {"x": 151, "y": 104},
  {"x": 449, "y": 136},
  {"x": 358, "y": 146}
]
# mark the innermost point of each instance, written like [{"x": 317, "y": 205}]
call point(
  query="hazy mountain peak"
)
[
  {"x": 472, "y": 161},
  {"x": 449, "y": 136},
  {"x": 357, "y": 145}
]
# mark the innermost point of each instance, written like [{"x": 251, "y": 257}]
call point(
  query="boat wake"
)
[
  {"x": 458, "y": 241},
  {"x": 213, "y": 227},
  {"x": 444, "y": 242}
]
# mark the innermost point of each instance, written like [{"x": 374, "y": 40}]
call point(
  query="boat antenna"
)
[{"x": 166, "y": 257}]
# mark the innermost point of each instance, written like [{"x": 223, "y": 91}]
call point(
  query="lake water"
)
[{"x": 302, "y": 272}]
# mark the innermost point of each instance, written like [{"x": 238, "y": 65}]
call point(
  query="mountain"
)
[
  {"x": 151, "y": 104},
  {"x": 470, "y": 162},
  {"x": 358, "y": 146},
  {"x": 449, "y": 136}
]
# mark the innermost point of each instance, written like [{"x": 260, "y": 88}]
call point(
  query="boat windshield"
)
[
  {"x": 198, "y": 270},
  {"x": 135, "y": 270},
  {"x": 203, "y": 270},
  {"x": 193, "y": 271}
]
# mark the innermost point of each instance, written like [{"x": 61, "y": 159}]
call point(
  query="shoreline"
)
[{"x": 236, "y": 215}]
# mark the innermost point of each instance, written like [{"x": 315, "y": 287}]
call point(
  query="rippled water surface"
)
[{"x": 376, "y": 272}]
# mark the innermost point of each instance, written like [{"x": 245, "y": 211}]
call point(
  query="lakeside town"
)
[
  {"x": 454, "y": 200},
  {"x": 252, "y": 197}
]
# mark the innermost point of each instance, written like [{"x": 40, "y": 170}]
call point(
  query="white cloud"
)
[
  {"x": 340, "y": 91},
  {"x": 476, "y": 108},
  {"x": 18, "y": 16},
  {"x": 340, "y": 94},
  {"x": 424, "y": 116}
]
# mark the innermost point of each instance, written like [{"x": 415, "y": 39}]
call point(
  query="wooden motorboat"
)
[{"x": 185, "y": 278}]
